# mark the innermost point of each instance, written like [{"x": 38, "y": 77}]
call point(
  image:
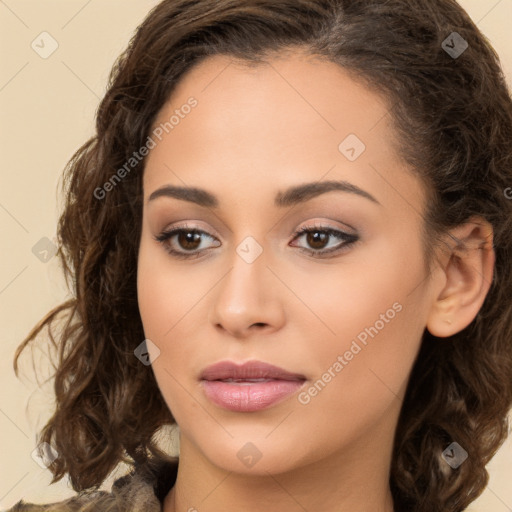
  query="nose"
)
[{"x": 248, "y": 299}]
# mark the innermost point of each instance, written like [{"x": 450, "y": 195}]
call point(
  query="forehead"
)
[
  {"x": 291, "y": 119},
  {"x": 303, "y": 93}
]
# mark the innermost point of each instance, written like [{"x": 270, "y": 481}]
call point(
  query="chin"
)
[{"x": 255, "y": 455}]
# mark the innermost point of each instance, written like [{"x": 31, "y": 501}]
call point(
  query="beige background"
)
[{"x": 48, "y": 108}]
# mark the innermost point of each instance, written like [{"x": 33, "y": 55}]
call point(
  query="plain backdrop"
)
[{"x": 47, "y": 111}]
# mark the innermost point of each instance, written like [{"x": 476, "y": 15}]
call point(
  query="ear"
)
[{"x": 467, "y": 268}]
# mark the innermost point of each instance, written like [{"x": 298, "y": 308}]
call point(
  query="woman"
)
[{"x": 290, "y": 237}]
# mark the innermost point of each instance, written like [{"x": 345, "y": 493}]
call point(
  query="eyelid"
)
[
  {"x": 187, "y": 224},
  {"x": 166, "y": 235},
  {"x": 325, "y": 226},
  {"x": 346, "y": 239}
]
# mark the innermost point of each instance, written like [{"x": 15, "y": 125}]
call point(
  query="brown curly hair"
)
[{"x": 453, "y": 115}]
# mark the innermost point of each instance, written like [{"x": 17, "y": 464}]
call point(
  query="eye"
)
[
  {"x": 319, "y": 237},
  {"x": 189, "y": 239},
  {"x": 186, "y": 242}
]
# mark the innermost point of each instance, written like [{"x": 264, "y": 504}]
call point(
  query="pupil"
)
[
  {"x": 317, "y": 237},
  {"x": 190, "y": 239}
]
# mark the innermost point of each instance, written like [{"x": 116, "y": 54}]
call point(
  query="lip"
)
[
  {"x": 248, "y": 370},
  {"x": 250, "y": 386}
]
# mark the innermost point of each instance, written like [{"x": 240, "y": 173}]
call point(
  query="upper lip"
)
[{"x": 248, "y": 370}]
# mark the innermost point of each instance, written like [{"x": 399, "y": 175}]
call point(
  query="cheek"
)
[
  {"x": 371, "y": 289},
  {"x": 361, "y": 375},
  {"x": 368, "y": 386},
  {"x": 164, "y": 299},
  {"x": 374, "y": 310},
  {"x": 166, "y": 294},
  {"x": 172, "y": 306}
]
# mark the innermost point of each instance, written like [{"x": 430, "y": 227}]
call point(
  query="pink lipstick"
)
[{"x": 250, "y": 386}]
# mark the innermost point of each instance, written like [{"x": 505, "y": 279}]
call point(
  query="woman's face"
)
[{"x": 343, "y": 312}]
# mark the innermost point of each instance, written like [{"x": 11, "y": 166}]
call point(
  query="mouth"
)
[{"x": 248, "y": 387}]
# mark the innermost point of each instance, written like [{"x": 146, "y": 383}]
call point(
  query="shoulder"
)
[
  {"x": 81, "y": 502},
  {"x": 141, "y": 490}
]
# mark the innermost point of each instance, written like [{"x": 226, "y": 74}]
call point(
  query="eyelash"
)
[{"x": 348, "y": 240}]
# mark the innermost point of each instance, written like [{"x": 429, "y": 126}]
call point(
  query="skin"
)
[{"x": 255, "y": 132}]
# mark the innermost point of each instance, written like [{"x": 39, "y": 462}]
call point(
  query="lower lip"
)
[{"x": 249, "y": 396}]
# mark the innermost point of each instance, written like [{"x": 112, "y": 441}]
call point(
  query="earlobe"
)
[{"x": 468, "y": 274}]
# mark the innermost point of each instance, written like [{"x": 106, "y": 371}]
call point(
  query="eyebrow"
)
[{"x": 290, "y": 197}]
